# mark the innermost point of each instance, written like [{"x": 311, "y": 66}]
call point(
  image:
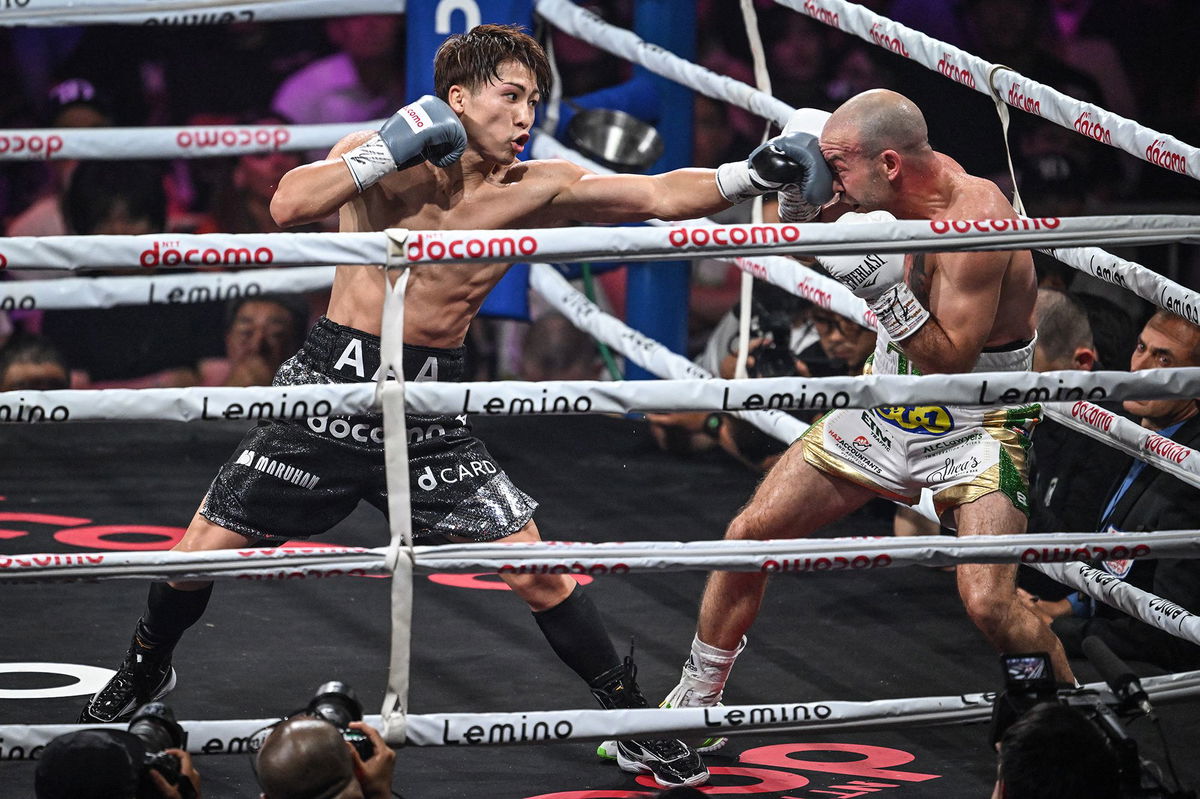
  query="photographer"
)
[
  {"x": 789, "y": 337},
  {"x": 307, "y": 757},
  {"x": 1054, "y": 752},
  {"x": 114, "y": 764}
]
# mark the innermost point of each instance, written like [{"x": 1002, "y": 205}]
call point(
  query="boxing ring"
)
[{"x": 756, "y": 249}]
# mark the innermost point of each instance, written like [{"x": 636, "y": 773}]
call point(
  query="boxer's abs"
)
[{"x": 440, "y": 300}]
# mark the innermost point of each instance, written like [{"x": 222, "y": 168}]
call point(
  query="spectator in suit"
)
[
  {"x": 1144, "y": 499},
  {"x": 1070, "y": 471}
]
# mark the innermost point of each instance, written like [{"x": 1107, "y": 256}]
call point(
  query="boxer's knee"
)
[
  {"x": 540, "y": 591},
  {"x": 990, "y": 606},
  {"x": 748, "y": 525}
]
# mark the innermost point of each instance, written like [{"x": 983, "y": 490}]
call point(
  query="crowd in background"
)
[
  {"x": 352, "y": 69},
  {"x": 1136, "y": 59}
]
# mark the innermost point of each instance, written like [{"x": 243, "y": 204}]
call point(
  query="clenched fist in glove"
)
[
  {"x": 879, "y": 279},
  {"x": 798, "y": 202},
  {"x": 427, "y": 130},
  {"x": 790, "y": 161}
]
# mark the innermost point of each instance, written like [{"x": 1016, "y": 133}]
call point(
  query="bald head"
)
[
  {"x": 306, "y": 759},
  {"x": 879, "y": 120}
]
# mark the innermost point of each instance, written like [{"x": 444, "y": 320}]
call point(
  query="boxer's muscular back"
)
[
  {"x": 928, "y": 274},
  {"x": 441, "y": 299}
]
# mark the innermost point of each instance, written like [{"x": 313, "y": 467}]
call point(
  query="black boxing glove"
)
[
  {"x": 427, "y": 130},
  {"x": 791, "y": 160},
  {"x": 800, "y": 203}
]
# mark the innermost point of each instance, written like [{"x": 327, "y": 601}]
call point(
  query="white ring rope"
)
[
  {"x": 196, "y": 141},
  {"x": 585, "y": 25},
  {"x": 481, "y": 729},
  {"x": 398, "y": 246},
  {"x": 1142, "y": 281},
  {"x": 167, "y": 289},
  {"x": 1131, "y": 438},
  {"x": 191, "y": 250},
  {"x": 1017, "y": 90},
  {"x": 1089, "y": 419},
  {"x": 55, "y": 13},
  {"x": 641, "y": 349},
  {"x": 794, "y": 393},
  {"x": 1142, "y": 605},
  {"x": 623, "y": 557},
  {"x": 571, "y": 397},
  {"x": 215, "y": 404},
  {"x": 464, "y": 728},
  {"x": 785, "y": 272}
]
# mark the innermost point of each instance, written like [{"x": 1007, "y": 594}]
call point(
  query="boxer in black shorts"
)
[
  {"x": 306, "y": 475},
  {"x": 444, "y": 162}
]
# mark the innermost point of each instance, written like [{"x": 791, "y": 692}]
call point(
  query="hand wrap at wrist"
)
[
  {"x": 737, "y": 183},
  {"x": 369, "y": 162},
  {"x": 794, "y": 208},
  {"x": 899, "y": 311}
]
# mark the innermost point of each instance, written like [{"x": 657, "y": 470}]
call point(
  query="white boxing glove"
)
[
  {"x": 808, "y": 120},
  {"x": 794, "y": 205},
  {"x": 879, "y": 279}
]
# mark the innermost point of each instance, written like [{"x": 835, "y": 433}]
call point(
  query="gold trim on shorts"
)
[
  {"x": 1010, "y": 476},
  {"x": 827, "y": 463}
]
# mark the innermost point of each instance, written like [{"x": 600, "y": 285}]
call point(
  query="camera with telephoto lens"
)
[
  {"x": 337, "y": 703},
  {"x": 155, "y": 726},
  {"x": 1029, "y": 681},
  {"x": 774, "y": 313}
]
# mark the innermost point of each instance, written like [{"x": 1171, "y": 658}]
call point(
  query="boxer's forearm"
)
[
  {"x": 934, "y": 350},
  {"x": 687, "y": 194},
  {"x": 312, "y": 192}
]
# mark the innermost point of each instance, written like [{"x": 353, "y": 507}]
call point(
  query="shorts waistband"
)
[
  {"x": 351, "y": 355},
  {"x": 1014, "y": 357}
]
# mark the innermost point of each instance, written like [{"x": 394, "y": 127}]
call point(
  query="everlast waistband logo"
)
[{"x": 274, "y": 468}]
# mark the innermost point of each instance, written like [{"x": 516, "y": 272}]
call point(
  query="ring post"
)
[{"x": 657, "y": 294}]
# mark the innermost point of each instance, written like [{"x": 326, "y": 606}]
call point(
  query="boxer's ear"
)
[{"x": 456, "y": 97}]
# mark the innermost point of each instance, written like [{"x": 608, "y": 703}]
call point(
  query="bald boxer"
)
[
  {"x": 443, "y": 162},
  {"x": 938, "y": 313}
]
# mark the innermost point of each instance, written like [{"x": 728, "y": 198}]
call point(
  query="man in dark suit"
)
[{"x": 1144, "y": 499}]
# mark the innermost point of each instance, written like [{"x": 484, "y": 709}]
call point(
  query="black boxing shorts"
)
[{"x": 297, "y": 478}]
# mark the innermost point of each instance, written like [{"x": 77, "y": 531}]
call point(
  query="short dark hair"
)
[
  {"x": 295, "y": 304},
  {"x": 1164, "y": 317},
  {"x": 1113, "y": 330},
  {"x": 30, "y": 348},
  {"x": 99, "y": 188},
  {"x": 473, "y": 59},
  {"x": 1062, "y": 324},
  {"x": 1055, "y": 752}
]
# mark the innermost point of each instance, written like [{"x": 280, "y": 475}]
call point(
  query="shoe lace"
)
[
  {"x": 668, "y": 749},
  {"x": 117, "y": 688},
  {"x": 629, "y": 680}
]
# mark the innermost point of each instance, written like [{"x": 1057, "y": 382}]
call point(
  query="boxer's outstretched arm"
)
[
  {"x": 311, "y": 192},
  {"x": 681, "y": 194},
  {"x": 789, "y": 161}
]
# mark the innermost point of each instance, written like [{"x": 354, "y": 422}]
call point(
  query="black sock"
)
[
  {"x": 577, "y": 635},
  {"x": 169, "y": 612}
]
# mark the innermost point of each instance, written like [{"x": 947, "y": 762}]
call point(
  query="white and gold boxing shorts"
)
[{"x": 960, "y": 454}]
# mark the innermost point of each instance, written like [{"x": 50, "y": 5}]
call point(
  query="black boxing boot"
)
[
  {"x": 671, "y": 762},
  {"x": 145, "y": 674}
]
